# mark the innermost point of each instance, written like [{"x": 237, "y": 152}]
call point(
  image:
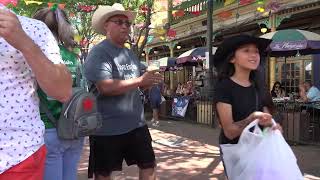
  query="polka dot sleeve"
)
[{"x": 43, "y": 37}]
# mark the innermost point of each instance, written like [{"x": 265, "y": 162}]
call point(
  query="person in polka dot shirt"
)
[{"x": 29, "y": 58}]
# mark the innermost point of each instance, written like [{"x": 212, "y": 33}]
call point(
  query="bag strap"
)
[
  {"x": 78, "y": 75},
  {"x": 257, "y": 99},
  {"x": 81, "y": 80},
  {"x": 44, "y": 107}
]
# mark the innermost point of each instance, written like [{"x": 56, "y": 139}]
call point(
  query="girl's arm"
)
[{"x": 234, "y": 129}]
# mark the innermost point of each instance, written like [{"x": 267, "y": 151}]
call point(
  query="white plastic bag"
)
[{"x": 260, "y": 156}]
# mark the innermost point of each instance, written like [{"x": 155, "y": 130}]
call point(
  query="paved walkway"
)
[{"x": 187, "y": 151}]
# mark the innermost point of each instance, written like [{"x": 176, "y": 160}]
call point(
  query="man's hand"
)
[
  {"x": 11, "y": 30},
  {"x": 150, "y": 78}
]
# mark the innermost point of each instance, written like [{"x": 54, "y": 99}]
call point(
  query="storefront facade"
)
[{"x": 238, "y": 18}]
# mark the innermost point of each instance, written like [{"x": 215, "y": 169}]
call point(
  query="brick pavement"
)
[{"x": 190, "y": 152}]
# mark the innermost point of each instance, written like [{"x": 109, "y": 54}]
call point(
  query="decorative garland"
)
[
  {"x": 7, "y": 2},
  {"x": 53, "y": 6}
]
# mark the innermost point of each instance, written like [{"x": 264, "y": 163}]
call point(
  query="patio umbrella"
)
[
  {"x": 193, "y": 55},
  {"x": 291, "y": 42},
  {"x": 167, "y": 63}
]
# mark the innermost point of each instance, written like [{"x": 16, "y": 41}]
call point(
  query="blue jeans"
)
[{"x": 63, "y": 157}]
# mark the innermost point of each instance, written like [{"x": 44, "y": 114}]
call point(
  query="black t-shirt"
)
[{"x": 242, "y": 99}]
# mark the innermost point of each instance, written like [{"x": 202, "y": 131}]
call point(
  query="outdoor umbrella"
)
[
  {"x": 167, "y": 63},
  {"x": 193, "y": 55},
  {"x": 291, "y": 42}
]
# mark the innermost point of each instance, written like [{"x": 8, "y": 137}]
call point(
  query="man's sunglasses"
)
[{"x": 121, "y": 22}]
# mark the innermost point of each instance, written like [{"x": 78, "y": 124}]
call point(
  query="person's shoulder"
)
[
  {"x": 37, "y": 30},
  {"x": 98, "y": 50},
  {"x": 224, "y": 83},
  {"x": 101, "y": 46},
  {"x": 132, "y": 54},
  {"x": 30, "y": 23},
  {"x": 315, "y": 88}
]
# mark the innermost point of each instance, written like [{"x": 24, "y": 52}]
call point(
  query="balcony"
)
[{"x": 192, "y": 8}]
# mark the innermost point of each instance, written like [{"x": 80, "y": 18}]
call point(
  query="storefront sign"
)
[{"x": 284, "y": 46}]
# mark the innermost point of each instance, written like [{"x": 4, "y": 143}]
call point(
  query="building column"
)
[
  {"x": 272, "y": 71},
  {"x": 171, "y": 46},
  {"x": 170, "y": 6},
  {"x": 272, "y": 60},
  {"x": 272, "y": 23}
]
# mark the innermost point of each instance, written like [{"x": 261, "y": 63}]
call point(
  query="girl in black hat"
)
[{"x": 240, "y": 95}]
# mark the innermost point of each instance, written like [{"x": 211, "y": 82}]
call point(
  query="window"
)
[
  {"x": 293, "y": 72},
  {"x": 308, "y": 70},
  {"x": 290, "y": 76}
]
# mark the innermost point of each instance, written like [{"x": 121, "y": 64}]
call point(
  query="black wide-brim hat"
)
[{"x": 231, "y": 44}]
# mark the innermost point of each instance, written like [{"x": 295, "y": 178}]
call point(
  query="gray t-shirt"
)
[{"x": 122, "y": 113}]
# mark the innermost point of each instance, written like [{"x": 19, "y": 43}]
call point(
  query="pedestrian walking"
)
[
  {"x": 62, "y": 155},
  {"x": 115, "y": 71}
]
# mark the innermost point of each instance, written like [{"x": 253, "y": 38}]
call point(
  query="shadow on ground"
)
[{"x": 187, "y": 151}]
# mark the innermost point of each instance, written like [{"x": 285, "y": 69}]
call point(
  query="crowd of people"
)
[
  {"x": 307, "y": 92},
  {"x": 186, "y": 89}
]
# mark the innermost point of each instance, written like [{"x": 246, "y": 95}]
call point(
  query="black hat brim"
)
[{"x": 231, "y": 44}]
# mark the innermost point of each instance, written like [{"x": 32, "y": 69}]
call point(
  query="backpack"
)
[{"x": 79, "y": 116}]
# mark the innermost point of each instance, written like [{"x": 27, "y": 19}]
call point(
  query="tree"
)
[
  {"x": 143, "y": 31},
  {"x": 79, "y": 13},
  {"x": 81, "y": 18}
]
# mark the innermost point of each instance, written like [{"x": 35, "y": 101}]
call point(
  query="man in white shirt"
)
[
  {"x": 310, "y": 93},
  {"x": 29, "y": 57}
]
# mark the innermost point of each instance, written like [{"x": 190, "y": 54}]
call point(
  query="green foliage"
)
[{"x": 82, "y": 20}]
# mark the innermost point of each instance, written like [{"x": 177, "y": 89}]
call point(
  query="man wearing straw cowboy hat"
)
[{"x": 115, "y": 71}]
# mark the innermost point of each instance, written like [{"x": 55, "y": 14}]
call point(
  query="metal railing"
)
[
  {"x": 200, "y": 110},
  {"x": 300, "y": 121}
]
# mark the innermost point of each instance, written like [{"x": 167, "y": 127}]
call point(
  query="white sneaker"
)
[{"x": 154, "y": 122}]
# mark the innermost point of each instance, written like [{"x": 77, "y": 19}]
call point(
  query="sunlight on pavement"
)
[
  {"x": 186, "y": 156},
  {"x": 183, "y": 153}
]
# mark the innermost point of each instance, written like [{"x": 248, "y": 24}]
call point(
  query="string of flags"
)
[
  {"x": 80, "y": 7},
  {"x": 161, "y": 33}
]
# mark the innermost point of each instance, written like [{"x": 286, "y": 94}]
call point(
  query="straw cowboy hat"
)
[
  {"x": 231, "y": 44},
  {"x": 103, "y": 13}
]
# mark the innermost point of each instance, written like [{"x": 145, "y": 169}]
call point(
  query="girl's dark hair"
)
[
  {"x": 274, "y": 86},
  {"x": 226, "y": 70},
  {"x": 57, "y": 21}
]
